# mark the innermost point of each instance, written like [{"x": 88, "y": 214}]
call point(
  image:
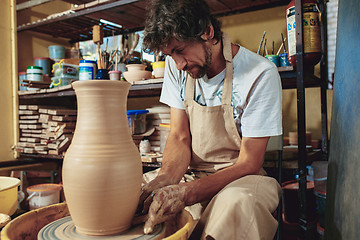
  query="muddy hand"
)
[
  {"x": 148, "y": 191},
  {"x": 167, "y": 202}
]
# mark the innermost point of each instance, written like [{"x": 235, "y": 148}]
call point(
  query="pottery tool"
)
[
  {"x": 261, "y": 42},
  {"x": 264, "y": 50},
  {"x": 273, "y": 48},
  {"x": 281, "y": 46},
  {"x": 283, "y": 42},
  {"x": 98, "y": 35}
]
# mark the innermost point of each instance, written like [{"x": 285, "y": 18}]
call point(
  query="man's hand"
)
[
  {"x": 147, "y": 190},
  {"x": 166, "y": 203}
]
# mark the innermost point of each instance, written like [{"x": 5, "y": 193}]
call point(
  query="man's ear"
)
[{"x": 209, "y": 34}]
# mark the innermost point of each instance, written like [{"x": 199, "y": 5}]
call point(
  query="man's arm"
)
[
  {"x": 250, "y": 161},
  {"x": 177, "y": 152},
  {"x": 176, "y": 158}
]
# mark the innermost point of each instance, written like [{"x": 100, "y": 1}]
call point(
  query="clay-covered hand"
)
[
  {"x": 167, "y": 202},
  {"x": 147, "y": 190}
]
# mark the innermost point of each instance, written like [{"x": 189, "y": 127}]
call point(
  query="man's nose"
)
[{"x": 180, "y": 63}]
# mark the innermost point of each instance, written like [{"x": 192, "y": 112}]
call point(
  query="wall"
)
[
  {"x": 247, "y": 29},
  {"x": 342, "y": 199},
  {"x": 32, "y": 44},
  {"x": 7, "y": 71}
]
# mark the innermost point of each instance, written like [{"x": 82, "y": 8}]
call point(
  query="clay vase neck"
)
[{"x": 102, "y": 170}]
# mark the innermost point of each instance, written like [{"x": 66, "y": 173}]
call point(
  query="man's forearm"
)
[{"x": 176, "y": 158}]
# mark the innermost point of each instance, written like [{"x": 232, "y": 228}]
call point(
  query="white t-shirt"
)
[{"x": 256, "y": 96}]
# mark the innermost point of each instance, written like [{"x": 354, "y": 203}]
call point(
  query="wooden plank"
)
[
  {"x": 29, "y": 117},
  {"x": 27, "y": 112},
  {"x": 65, "y": 118},
  {"x": 28, "y": 121},
  {"x": 62, "y": 111},
  {"x": 30, "y": 4}
]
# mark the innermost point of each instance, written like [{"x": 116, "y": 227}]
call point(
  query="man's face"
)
[{"x": 193, "y": 57}]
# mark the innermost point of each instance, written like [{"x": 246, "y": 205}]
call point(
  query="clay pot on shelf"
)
[
  {"x": 136, "y": 72},
  {"x": 102, "y": 170}
]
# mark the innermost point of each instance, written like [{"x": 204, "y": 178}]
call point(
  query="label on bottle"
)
[
  {"x": 86, "y": 73},
  {"x": 311, "y": 29}
]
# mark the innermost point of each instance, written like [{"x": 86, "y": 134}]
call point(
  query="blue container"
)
[
  {"x": 56, "y": 52},
  {"x": 284, "y": 60},
  {"x": 44, "y": 63},
  {"x": 274, "y": 59},
  {"x": 87, "y": 70},
  {"x": 22, "y": 76},
  {"x": 137, "y": 121},
  {"x": 102, "y": 74}
]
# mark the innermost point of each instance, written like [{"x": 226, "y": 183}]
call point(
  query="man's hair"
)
[{"x": 184, "y": 20}]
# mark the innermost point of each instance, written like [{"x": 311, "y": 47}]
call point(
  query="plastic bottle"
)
[
  {"x": 87, "y": 70},
  {"x": 311, "y": 32}
]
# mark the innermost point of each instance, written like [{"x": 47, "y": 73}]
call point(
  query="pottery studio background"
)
[{"x": 29, "y": 157}]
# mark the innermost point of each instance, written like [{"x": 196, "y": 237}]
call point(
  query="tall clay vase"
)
[{"x": 102, "y": 170}]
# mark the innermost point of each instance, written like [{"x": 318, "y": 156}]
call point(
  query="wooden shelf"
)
[
  {"x": 287, "y": 74},
  {"x": 77, "y": 25},
  {"x": 139, "y": 90}
]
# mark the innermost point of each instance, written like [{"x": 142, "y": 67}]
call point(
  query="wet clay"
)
[{"x": 102, "y": 170}]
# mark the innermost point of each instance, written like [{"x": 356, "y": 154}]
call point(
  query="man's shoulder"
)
[{"x": 247, "y": 59}]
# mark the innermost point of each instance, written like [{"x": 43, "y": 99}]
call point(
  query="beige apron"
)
[
  {"x": 215, "y": 138},
  {"x": 242, "y": 209}
]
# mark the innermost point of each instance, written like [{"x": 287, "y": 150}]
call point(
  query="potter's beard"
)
[{"x": 202, "y": 69}]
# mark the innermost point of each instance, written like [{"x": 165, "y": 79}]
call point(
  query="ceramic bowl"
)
[
  {"x": 159, "y": 72},
  {"x": 134, "y": 67},
  {"x": 137, "y": 75}
]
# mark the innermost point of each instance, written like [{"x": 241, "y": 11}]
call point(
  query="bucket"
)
[
  {"x": 22, "y": 76},
  {"x": 43, "y": 195},
  {"x": 320, "y": 175},
  {"x": 8, "y": 194},
  {"x": 44, "y": 63},
  {"x": 56, "y": 52},
  {"x": 291, "y": 201},
  {"x": 137, "y": 121}
]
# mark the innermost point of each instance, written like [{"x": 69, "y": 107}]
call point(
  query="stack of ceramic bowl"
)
[
  {"x": 158, "y": 69},
  {"x": 136, "y": 72}
]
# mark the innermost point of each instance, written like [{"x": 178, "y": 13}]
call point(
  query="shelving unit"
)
[{"x": 130, "y": 14}]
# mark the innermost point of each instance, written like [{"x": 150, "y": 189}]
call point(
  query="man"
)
[{"x": 225, "y": 104}]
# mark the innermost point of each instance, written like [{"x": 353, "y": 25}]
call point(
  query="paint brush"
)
[
  {"x": 265, "y": 50},
  {"x": 282, "y": 45},
  {"x": 261, "y": 42},
  {"x": 283, "y": 41}
]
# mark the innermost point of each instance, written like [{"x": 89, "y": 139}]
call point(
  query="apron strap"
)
[{"x": 227, "y": 86}]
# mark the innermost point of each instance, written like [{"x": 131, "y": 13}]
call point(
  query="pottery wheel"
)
[{"x": 64, "y": 229}]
